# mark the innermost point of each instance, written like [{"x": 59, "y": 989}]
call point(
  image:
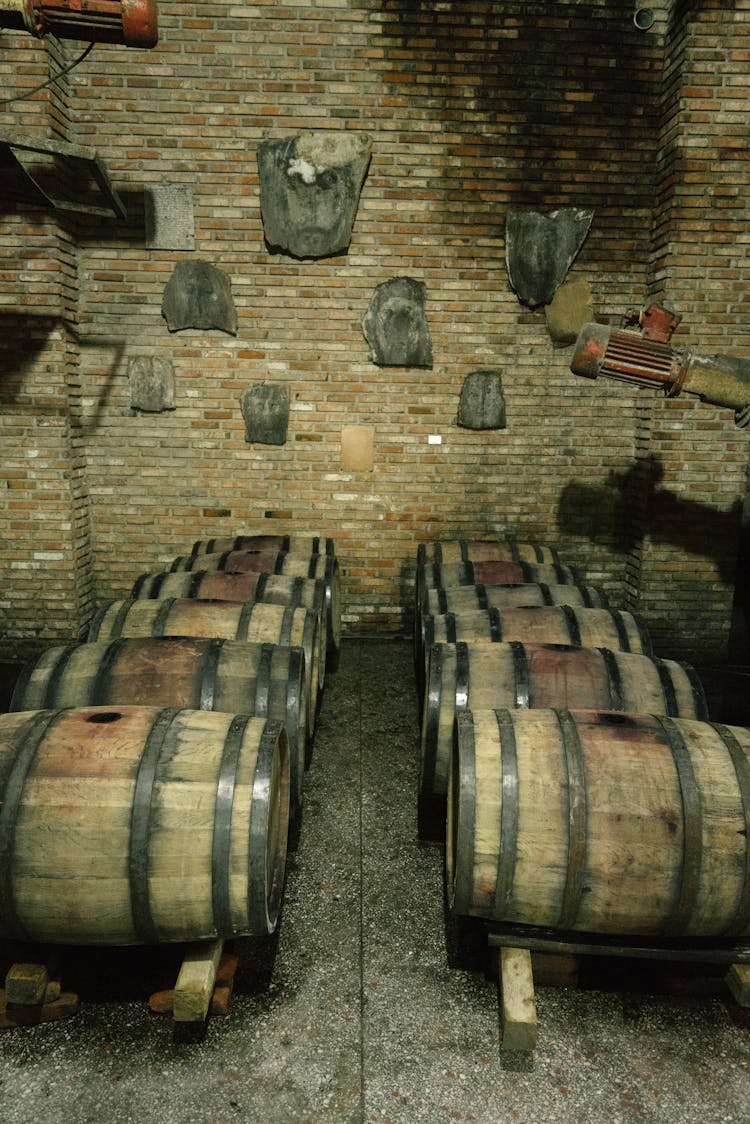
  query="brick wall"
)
[{"x": 473, "y": 108}]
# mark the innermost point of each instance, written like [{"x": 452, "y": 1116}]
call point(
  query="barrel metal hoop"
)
[
  {"x": 451, "y": 634},
  {"x": 614, "y": 677},
  {"x": 692, "y": 830},
  {"x": 442, "y": 600},
  {"x": 622, "y": 631},
  {"x": 496, "y": 624},
  {"x": 196, "y": 548},
  {"x": 243, "y": 624},
  {"x": 263, "y": 680},
  {"x": 19, "y": 691},
  {"x": 35, "y": 731},
  {"x": 294, "y": 685},
  {"x": 287, "y": 622},
  {"x": 464, "y": 548},
  {"x": 432, "y": 705},
  {"x": 463, "y": 678},
  {"x": 577, "y": 817},
  {"x": 101, "y": 685},
  {"x": 195, "y": 583},
  {"x": 470, "y": 572},
  {"x": 278, "y": 565},
  {"x": 643, "y": 635},
  {"x": 428, "y": 632},
  {"x": 140, "y": 827},
  {"x": 667, "y": 686},
  {"x": 260, "y": 586},
  {"x": 298, "y": 589},
  {"x": 480, "y": 592},
  {"x": 463, "y": 857},
  {"x": 699, "y": 695},
  {"x": 209, "y": 672},
  {"x": 221, "y": 843},
  {"x": 223, "y": 559},
  {"x": 96, "y": 623},
  {"x": 312, "y": 569},
  {"x": 741, "y": 920},
  {"x": 259, "y": 907},
  {"x": 286, "y": 544},
  {"x": 546, "y": 594},
  {"x": 562, "y": 577},
  {"x": 138, "y": 586},
  {"x": 571, "y": 620},
  {"x": 160, "y": 620},
  {"x": 508, "y": 843},
  {"x": 521, "y": 681}
]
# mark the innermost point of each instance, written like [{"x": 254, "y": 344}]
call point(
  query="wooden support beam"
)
[
  {"x": 518, "y": 1029},
  {"x": 195, "y": 983}
]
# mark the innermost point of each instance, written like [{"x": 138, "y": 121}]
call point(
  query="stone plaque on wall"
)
[
  {"x": 309, "y": 190},
  {"x": 151, "y": 383},
  {"x": 395, "y": 324},
  {"x": 482, "y": 405},
  {"x": 198, "y": 295},
  {"x": 540, "y": 248},
  {"x": 169, "y": 217},
  {"x": 571, "y": 307},
  {"x": 265, "y": 409}
]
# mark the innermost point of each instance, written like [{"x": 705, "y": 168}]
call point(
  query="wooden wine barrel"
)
[
  {"x": 254, "y": 621},
  {"x": 542, "y": 624},
  {"x": 492, "y": 676},
  {"x": 266, "y": 680},
  {"x": 485, "y": 550},
  {"x": 299, "y": 544},
  {"x": 324, "y": 567},
  {"x": 140, "y": 825},
  {"x": 465, "y": 598},
  {"x": 600, "y": 822}
]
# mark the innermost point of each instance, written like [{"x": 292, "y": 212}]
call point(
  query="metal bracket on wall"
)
[{"x": 67, "y": 177}]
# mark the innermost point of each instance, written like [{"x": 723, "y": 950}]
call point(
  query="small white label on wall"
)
[{"x": 434, "y": 439}]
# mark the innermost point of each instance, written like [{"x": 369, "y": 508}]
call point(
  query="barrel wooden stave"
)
[
  {"x": 76, "y": 870},
  {"x": 470, "y": 598},
  {"x": 433, "y": 576},
  {"x": 659, "y": 856},
  {"x": 262, "y": 679},
  {"x": 511, "y": 675}
]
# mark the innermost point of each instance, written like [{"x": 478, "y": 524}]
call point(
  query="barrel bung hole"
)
[{"x": 104, "y": 717}]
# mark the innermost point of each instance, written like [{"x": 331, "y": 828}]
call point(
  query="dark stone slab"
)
[
  {"x": 265, "y": 409},
  {"x": 151, "y": 383},
  {"x": 539, "y": 250},
  {"x": 482, "y": 405},
  {"x": 198, "y": 295},
  {"x": 309, "y": 190},
  {"x": 395, "y": 324}
]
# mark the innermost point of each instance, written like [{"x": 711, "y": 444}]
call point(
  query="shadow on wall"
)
[{"x": 630, "y": 505}]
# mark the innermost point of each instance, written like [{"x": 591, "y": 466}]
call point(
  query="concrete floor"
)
[{"x": 362, "y": 1018}]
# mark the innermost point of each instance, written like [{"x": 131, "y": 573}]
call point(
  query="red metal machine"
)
[
  {"x": 131, "y": 23},
  {"x": 648, "y": 359}
]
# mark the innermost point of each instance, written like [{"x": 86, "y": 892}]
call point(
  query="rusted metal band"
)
[
  {"x": 496, "y": 626},
  {"x": 668, "y": 689},
  {"x": 699, "y": 695},
  {"x": 298, "y": 590},
  {"x": 139, "y": 858},
  {"x": 195, "y": 583},
  {"x": 614, "y": 678},
  {"x": 577, "y": 819},
  {"x": 162, "y": 616},
  {"x": 287, "y": 623},
  {"x": 259, "y": 908},
  {"x": 221, "y": 845},
  {"x": 508, "y": 841},
  {"x": 571, "y": 622},
  {"x": 432, "y": 704},
  {"x": 470, "y": 574},
  {"x": 678, "y": 373},
  {"x": 451, "y": 634},
  {"x": 741, "y": 920},
  {"x": 622, "y": 630},
  {"x": 96, "y": 623},
  {"x": 463, "y": 681},
  {"x": 12, "y": 791},
  {"x": 643, "y": 635},
  {"x": 521, "y": 685},
  {"x": 263, "y": 680},
  {"x": 678, "y": 919},
  {"x": 464, "y": 548},
  {"x": 480, "y": 592},
  {"x": 209, "y": 673},
  {"x": 139, "y": 585},
  {"x": 100, "y": 687},
  {"x": 243, "y": 622},
  {"x": 223, "y": 559},
  {"x": 442, "y": 601},
  {"x": 260, "y": 587},
  {"x": 464, "y": 814},
  {"x": 279, "y": 562},
  {"x": 546, "y": 593}
]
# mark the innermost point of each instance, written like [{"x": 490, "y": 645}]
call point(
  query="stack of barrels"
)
[
  {"x": 575, "y": 776},
  {"x": 151, "y": 777}
]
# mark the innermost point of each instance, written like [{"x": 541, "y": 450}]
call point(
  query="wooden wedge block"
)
[
  {"x": 518, "y": 1030},
  {"x": 195, "y": 983},
  {"x": 26, "y": 984},
  {"x": 162, "y": 1002},
  {"x": 12, "y": 1016},
  {"x": 738, "y": 982}
]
